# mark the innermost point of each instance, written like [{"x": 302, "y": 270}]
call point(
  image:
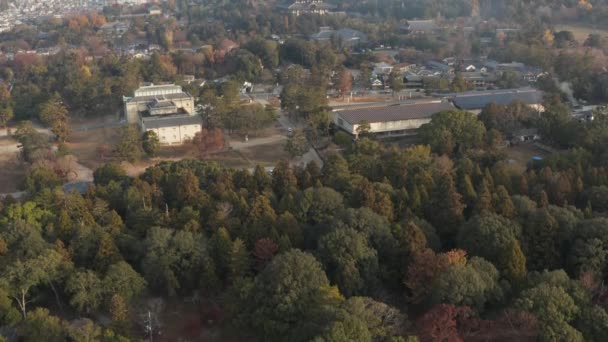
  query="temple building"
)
[{"x": 317, "y": 7}]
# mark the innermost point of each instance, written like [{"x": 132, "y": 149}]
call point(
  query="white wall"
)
[
  {"x": 177, "y": 134},
  {"x": 380, "y": 127}
]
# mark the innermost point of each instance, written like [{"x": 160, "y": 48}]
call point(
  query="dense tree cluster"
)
[
  {"x": 446, "y": 236},
  {"x": 442, "y": 241}
]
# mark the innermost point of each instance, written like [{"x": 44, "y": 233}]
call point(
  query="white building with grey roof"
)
[
  {"x": 396, "y": 119},
  {"x": 165, "y": 109}
]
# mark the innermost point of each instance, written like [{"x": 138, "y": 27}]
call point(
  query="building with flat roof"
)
[
  {"x": 475, "y": 101},
  {"x": 165, "y": 109},
  {"x": 390, "y": 120},
  {"x": 156, "y": 95}
]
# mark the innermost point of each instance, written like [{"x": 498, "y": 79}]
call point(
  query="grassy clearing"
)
[
  {"x": 12, "y": 171},
  {"x": 521, "y": 154},
  {"x": 581, "y": 31}
]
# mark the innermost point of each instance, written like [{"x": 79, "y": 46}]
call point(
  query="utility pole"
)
[{"x": 149, "y": 328}]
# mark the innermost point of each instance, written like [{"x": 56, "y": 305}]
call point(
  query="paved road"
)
[
  {"x": 308, "y": 156},
  {"x": 239, "y": 145},
  {"x": 79, "y": 128}
]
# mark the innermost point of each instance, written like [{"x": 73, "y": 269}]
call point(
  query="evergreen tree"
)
[
  {"x": 107, "y": 253},
  {"x": 221, "y": 251},
  {"x": 128, "y": 145},
  {"x": 261, "y": 178},
  {"x": 503, "y": 203},
  {"x": 150, "y": 143},
  {"x": 484, "y": 200},
  {"x": 468, "y": 191},
  {"x": 445, "y": 209},
  {"x": 119, "y": 313},
  {"x": 540, "y": 238},
  {"x": 283, "y": 179},
  {"x": 261, "y": 220},
  {"x": 240, "y": 262},
  {"x": 543, "y": 199},
  {"x": 513, "y": 262},
  {"x": 412, "y": 239}
]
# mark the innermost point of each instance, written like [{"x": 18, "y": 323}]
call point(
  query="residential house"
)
[
  {"x": 528, "y": 73},
  {"x": 155, "y": 10},
  {"x": 413, "y": 81},
  {"x": 440, "y": 67},
  {"x": 377, "y": 84},
  {"x": 472, "y": 65},
  {"x": 524, "y": 135},
  {"x": 404, "y": 67},
  {"x": 480, "y": 80},
  {"x": 382, "y": 68},
  {"x": 188, "y": 78},
  {"x": 114, "y": 29}
]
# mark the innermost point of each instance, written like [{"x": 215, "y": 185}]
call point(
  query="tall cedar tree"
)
[
  {"x": 540, "y": 237},
  {"x": 445, "y": 209}
]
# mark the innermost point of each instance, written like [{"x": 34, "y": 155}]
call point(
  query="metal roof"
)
[
  {"x": 396, "y": 112},
  {"x": 161, "y": 104},
  {"x": 159, "y": 97},
  {"x": 345, "y": 34},
  {"x": 421, "y": 25},
  {"x": 480, "y": 99},
  {"x": 171, "y": 121}
]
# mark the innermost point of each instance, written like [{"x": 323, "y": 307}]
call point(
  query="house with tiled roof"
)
[{"x": 346, "y": 36}]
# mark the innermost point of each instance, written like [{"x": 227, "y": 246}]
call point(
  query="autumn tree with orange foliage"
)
[
  {"x": 423, "y": 269},
  {"x": 440, "y": 323},
  {"x": 263, "y": 251},
  {"x": 208, "y": 141}
]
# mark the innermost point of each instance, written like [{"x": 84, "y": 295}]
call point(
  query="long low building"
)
[
  {"x": 390, "y": 120},
  {"x": 475, "y": 101}
]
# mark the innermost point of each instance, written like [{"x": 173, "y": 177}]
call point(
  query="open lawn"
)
[
  {"x": 265, "y": 155},
  {"x": 12, "y": 171},
  {"x": 247, "y": 158},
  {"x": 581, "y": 31},
  {"x": 84, "y": 145},
  {"x": 183, "y": 320},
  {"x": 521, "y": 154}
]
